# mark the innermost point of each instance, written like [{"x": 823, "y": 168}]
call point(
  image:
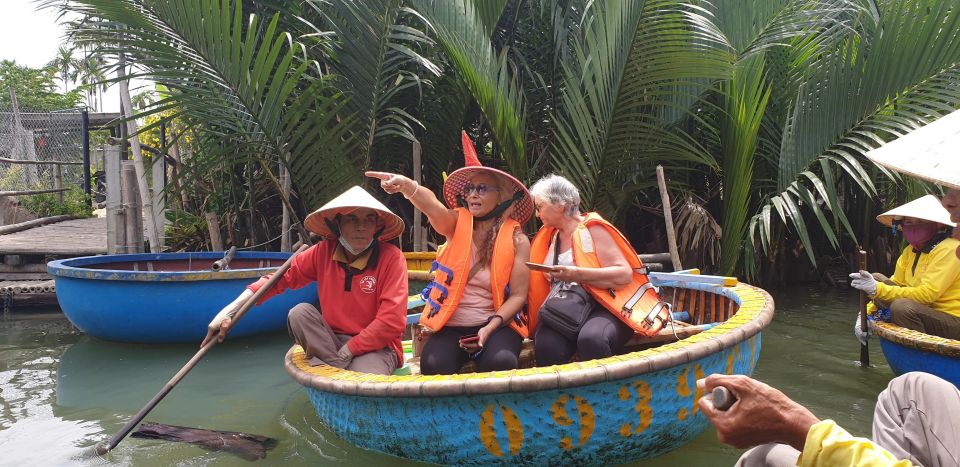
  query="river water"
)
[{"x": 62, "y": 392}]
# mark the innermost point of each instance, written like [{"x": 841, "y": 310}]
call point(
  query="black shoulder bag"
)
[{"x": 567, "y": 309}]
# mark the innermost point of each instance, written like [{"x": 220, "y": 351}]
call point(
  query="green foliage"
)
[
  {"x": 75, "y": 203},
  {"x": 35, "y": 88}
]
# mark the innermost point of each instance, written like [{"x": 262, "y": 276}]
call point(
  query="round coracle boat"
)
[
  {"x": 618, "y": 409},
  {"x": 167, "y": 297},
  {"x": 907, "y": 350}
]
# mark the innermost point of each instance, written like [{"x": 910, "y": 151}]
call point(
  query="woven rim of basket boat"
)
[
  {"x": 917, "y": 340},
  {"x": 754, "y": 314}
]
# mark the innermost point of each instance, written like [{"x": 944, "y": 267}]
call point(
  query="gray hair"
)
[{"x": 557, "y": 190}]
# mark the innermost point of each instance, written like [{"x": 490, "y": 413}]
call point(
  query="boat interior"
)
[{"x": 694, "y": 311}]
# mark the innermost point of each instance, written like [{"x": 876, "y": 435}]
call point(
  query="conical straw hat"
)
[
  {"x": 927, "y": 208},
  {"x": 930, "y": 152},
  {"x": 453, "y": 185},
  {"x": 348, "y": 202}
]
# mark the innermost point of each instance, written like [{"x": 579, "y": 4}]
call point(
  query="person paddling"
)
[
  {"x": 924, "y": 292},
  {"x": 361, "y": 282}
]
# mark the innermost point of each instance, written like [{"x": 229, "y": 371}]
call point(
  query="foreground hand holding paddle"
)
[{"x": 760, "y": 415}]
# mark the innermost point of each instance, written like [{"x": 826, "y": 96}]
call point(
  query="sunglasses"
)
[{"x": 481, "y": 188}]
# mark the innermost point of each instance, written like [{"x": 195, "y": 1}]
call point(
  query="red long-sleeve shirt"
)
[{"x": 374, "y": 310}]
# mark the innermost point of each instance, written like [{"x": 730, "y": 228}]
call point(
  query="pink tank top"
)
[{"x": 476, "y": 305}]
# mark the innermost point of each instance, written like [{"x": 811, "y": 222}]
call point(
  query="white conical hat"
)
[
  {"x": 348, "y": 202},
  {"x": 930, "y": 152},
  {"x": 927, "y": 208}
]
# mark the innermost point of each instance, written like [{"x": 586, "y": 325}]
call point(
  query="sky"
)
[{"x": 32, "y": 37}]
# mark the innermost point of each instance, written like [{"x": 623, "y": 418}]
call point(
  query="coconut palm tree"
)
[{"x": 65, "y": 65}]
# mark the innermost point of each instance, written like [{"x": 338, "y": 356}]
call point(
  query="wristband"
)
[
  {"x": 496, "y": 316},
  {"x": 414, "y": 191}
]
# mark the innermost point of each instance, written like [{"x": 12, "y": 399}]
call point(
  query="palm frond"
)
[
  {"x": 462, "y": 32},
  {"x": 247, "y": 80},
  {"x": 609, "y": 133}
]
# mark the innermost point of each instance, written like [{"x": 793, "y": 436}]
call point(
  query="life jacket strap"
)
[
  {"x": 649, "y": 319},
  {"x": 628, "y": 306},
  {"x": 436, "y": 266}
]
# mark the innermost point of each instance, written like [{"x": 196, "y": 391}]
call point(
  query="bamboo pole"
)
[
  {"x": 419, "y": 235},
  {"x": 864, "y": 347},
  {"x": 285, "y": 241},
  {"x": 133, "y": 217},
  {"x": 668, "y": 218},
  {"x": 213, "y": 226},
  {"x": 146, "y": 198}
]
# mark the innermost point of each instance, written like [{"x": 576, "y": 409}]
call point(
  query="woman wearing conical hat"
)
[
  {"x": 480, "y": 278},
  {"x": 361, "y": 282},
  {"x": 924, "y": 292}
]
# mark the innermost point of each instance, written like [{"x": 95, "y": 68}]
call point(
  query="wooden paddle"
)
[
  {"x": 864, "y": 347},
  {"x": 105, "y": 448}
]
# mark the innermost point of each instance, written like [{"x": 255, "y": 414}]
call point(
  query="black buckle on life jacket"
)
[{"x": 652, "y": 316}]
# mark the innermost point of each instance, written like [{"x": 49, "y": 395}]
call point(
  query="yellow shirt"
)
[
  {"x": 829, "y": 445},
  {"x": 935, "y": 283}
]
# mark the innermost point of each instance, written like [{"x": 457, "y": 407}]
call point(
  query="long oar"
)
[
  {"x": 864, "y": 348},
  {"x": 105, "y": 448}
]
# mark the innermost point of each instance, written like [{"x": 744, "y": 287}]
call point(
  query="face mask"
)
[
  {"x": 346, "y": 245},
  {"x": 917, "y": 235}
]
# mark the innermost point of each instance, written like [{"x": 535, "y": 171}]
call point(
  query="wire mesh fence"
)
[{"x": 26, "y": 135}]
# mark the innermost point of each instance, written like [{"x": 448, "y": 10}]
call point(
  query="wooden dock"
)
[{"x": 78, "y": 237}]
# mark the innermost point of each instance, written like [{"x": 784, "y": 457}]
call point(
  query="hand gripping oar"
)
[
  {"x": 105, "y": 448},
  {"x": 864, "y": 349}
]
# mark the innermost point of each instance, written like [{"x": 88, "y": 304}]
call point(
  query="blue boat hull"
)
[
  {"x": 904, "y": 359},
  {"x": 165, "y": 306},
  {"x": 607, "y": 423},
  {"x": 599, "y": 412}
]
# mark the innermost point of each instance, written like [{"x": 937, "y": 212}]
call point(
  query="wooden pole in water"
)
[
  {"x": 864, "y": 347},
  {"x": 668, "y": 219},
  {"x": 105, "y": 448}
]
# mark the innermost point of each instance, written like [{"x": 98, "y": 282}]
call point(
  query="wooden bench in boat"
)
[{"x": 705, "y": 309}]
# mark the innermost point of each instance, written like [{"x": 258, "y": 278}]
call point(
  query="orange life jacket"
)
[
  {"x": 450, "y": 271},
  {"x": 637, "y": 304}
]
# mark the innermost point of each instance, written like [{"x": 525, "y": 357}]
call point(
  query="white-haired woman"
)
[
  {"x": 480, "y": 284},
  {"x": 585, "y": 249}
]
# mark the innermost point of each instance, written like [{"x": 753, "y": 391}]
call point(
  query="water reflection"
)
[{"x": 61, "y": 392}]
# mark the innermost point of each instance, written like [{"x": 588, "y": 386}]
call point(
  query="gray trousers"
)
[
  {"x": 915, "y": 419},
  {"x": 321, "y": 344}
]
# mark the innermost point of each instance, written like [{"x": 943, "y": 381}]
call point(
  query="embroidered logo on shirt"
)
[{"x": 368, "y": 284}]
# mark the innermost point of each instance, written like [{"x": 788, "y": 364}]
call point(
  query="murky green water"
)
[{"x": 62, "y": 392}]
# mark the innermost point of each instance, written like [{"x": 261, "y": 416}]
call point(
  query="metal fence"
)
[{"x": 54, "y": 139}]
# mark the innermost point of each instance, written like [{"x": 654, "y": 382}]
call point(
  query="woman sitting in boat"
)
[
  {"x": 361, "y": 282},
  {"x": 924, "y": 293},
  {"x": 480, "y": 281},
  {"x": 587, "y": 250}
]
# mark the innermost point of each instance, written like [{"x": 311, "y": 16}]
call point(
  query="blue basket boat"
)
[
  {"x": 907, "y": 350},
  {"x": 613, "y": 410},
  {"x": 167, "y": 297}
]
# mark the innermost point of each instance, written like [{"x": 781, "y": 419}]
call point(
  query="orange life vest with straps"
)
[
  {"x": 452, "y": 266},
  {"x": 637, "y": 304}
]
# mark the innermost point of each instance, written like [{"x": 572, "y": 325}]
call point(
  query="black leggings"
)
[
  {"x": 601, "y": 336},
  {"x": 442, "y": 354}
]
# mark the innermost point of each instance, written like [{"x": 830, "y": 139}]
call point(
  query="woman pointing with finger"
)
[{"x": 480, "y": 282}]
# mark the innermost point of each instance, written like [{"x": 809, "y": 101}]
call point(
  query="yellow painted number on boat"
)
[
  {"x": 585, "y": 412},
  {"x": 488, "y": 430},
  {"x": 732, "y": 358},
  {"x": 684, "y": 383},
  {"x": 644, "y": 412}
]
